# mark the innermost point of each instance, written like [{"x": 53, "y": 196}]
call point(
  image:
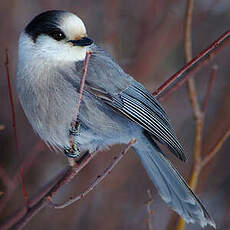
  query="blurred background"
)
[{"x": 146, "y": 38}]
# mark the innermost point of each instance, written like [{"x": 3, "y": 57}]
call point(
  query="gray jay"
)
[{"x": 114, "y": 109}]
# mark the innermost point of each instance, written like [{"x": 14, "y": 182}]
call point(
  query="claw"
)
[
  {"x": 72, "y": 152},
  {"x": 75, "y": 131}
]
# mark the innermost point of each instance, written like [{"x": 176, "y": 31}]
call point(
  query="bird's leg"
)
[
  {"x": 75, "y": 129},
  {"x": 73, "y": 151}
]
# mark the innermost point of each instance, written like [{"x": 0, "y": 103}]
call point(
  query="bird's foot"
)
[
  {"x": 75, "y": 129},
  {"x": 72, "y": 152}
]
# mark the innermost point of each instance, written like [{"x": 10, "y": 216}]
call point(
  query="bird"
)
[{"x": 114, "y": 108}]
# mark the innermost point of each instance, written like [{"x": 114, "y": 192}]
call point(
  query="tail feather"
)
[{"x": 171, "y": 186}]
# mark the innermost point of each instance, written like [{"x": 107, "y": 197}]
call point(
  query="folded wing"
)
[{"x": 136, "y": 103}]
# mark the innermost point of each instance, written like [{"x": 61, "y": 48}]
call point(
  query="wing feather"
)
[{"x": 136, "y": 103}]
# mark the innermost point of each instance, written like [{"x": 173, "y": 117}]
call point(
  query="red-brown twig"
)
[
  {"x": 82, "y": 84},
  {"x": 40, "y": 201},
  {"x": 180, "y": 77},
  {"x": 15, "y": 128},
  {"x": 11, "y": 184},
  {"x": 99, "y": 179},
  {"x": 198, "y": 116},
  {"x": 149, "y": 210},
  {"x": 210, "y": 84}
]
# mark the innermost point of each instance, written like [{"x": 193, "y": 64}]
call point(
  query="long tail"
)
[{"x": 170, "y": 184}]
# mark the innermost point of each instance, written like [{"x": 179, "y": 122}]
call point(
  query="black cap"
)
[{"x": 45, "y": 23}]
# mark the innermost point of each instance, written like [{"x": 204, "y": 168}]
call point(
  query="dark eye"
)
[{"x": 57, "y": 35}]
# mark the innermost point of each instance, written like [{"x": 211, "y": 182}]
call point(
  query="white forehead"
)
[{"x": 72, "y": 26}]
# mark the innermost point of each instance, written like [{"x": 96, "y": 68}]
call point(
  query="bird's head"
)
[{"x": 55, "y": 35}]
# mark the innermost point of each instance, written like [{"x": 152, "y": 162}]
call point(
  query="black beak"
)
[{"x": 81, "y": 42}]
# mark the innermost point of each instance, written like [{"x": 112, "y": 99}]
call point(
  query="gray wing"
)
[
  {"x": 136, "y": 103},
  {"x": 108, "y": 81}
]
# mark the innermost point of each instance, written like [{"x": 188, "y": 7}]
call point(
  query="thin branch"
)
[
  {"x": 99, "y": 179},
  {"x": 15, "y": 128},
  {"x": 198, "y": 116},
  {"x": 188, "y": 57},
  {"x": 192, "y": 91},
  {"x": 149, "y": 210},
  {"x": 194, "y": 101},
  {"x": 40, "y": 201},
  {"x": 180, "y": 77},
  {"x": 82, "y": 84},
  {"x": 215, "y": 149},
  {"x": 26, "y": 165},
  {"x": 199, "y": 165},
  {"x": 188, "y": 31},
  {"x": 210, "y": 84}
]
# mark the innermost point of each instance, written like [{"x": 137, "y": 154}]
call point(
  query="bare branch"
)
[
  {"x": 187, "y": 71},
  {"x": 26, "y": 197},
  {"x": 149, "y": 210},
  {"x": 40, "y": 201},
  {"x": 193, "y": 98},
  {"x": 99, "y": 179},
  {"x": 210, "y": 84},
  {"x": 26, "y": 165},
  {"x": 82, "y": 84},
  {"x": 215, "y": 149}
]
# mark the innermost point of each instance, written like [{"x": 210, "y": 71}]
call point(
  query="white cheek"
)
[
  {"x": 51, "y": 49},
  {"x": 48, "y": 49}
]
